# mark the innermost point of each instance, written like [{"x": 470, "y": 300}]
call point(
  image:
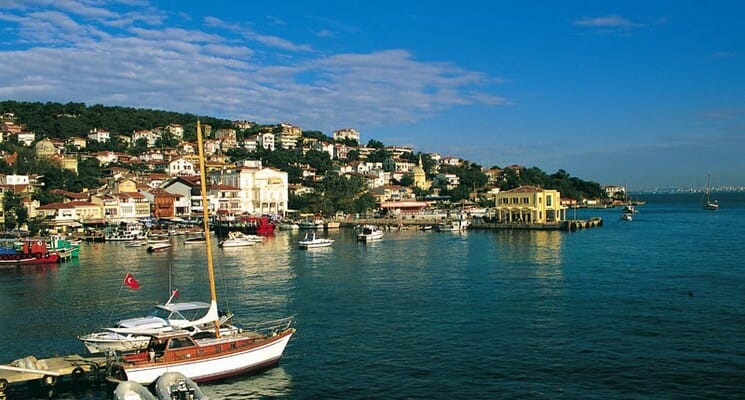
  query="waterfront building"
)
[
  {"x": 185, "y": 188},
  {"x": 71, "y": 214},
  {"x": 162, "y": 203},
  {"x": 262, "y": 190},
  {"x": 530, "y": 205}
]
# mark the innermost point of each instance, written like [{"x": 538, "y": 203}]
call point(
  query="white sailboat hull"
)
[{"x": 214, "y": 368}]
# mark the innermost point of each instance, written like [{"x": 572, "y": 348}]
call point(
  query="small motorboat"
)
[
  {"x": 311, "y": 241},
  {"x": 169, "y": 386},
  {"x": 130, "y": 390},
  {"x": 158, "y": 247},
  {"x": 196, "y": 240},
  {"x": 175, "y": 385}
]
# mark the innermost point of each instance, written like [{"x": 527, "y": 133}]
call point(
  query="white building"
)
[
  {"x": 99, "y": 135},
  {"x": 262, "y": 190},
  {"x": 266, "y": 140},
  {"x": 16, "y": 179},
  {"x": 181, "y": 167}
]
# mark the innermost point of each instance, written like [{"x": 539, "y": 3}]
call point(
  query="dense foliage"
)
[
  {"x": 332, "y": 192},
  {"x": 76, "y": 119}
]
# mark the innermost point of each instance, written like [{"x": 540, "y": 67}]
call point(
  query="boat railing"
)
[{"x": 271, "y": 328}]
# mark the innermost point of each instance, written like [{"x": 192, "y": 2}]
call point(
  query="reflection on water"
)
[
  {"x": 533, "y": 247},
  {"x": 271, "y": 383}
]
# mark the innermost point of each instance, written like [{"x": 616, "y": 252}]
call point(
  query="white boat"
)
[
  {"x": 709, "y": 204},
  {"x": 311, "y": 224},
  {"x": 288, "y": 226},
  {"x": 332, "y": 225},
  {"x": 311, "y": 241},
  {"x": 127, "y": 232},
  {"x": 158, "y": 247},
  {"x": 369, "y": 233},
  {"x": 238, "y": 239},
  {"x": 131, "y": 334},
  {"x": 209, "y": 358},
  {"x": 195, "y": 240},
  {"x": 457, "y": 225}
]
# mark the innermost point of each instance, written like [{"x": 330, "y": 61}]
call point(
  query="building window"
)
[{"x": 548, "y": 200}]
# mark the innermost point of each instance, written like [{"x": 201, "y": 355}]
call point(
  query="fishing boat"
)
[
  {"x": 369, "y": 233},
  {"x": 32, "y": 252},
  {"x": 217, "y": 356},
  {"x": 57, "y": 243},
  {"x": 709, "y": 204},
  {"x": 311, "y": 241}
]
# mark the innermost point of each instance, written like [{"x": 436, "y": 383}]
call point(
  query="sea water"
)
[{"x": 652, "y": 308}]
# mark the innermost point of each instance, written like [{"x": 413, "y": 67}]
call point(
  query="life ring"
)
[
  {"x": 3, "y": 385},
  {"x": 78, "y": 374}
]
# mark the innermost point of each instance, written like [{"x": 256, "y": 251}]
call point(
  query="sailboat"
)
[
  {"x": 212, "y": 356},
  {"x": 709, "y": 204}
]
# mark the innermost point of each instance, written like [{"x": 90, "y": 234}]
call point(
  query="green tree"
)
[
  {"x": 14, "y": 212},
  {"x": 375, "y": 144},
  {"x": 407, "y": 180}
]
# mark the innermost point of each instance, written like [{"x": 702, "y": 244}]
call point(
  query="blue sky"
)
[{"x": 646, "y": 94}]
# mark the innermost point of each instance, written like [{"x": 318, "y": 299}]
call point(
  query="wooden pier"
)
[{"x": 49, "y": 372}]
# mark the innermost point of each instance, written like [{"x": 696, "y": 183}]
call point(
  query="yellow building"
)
[
  {"x": 420, "y": 177},
  {"x": 530, "y": 205},
  {"x": 45, "y": 148}
]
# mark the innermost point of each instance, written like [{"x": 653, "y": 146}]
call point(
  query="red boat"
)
[{"x": 32, "y": 252}]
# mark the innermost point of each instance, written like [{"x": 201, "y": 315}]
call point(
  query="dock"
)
[
  {"x": 480, "y": 223},
  {"x": 49, "y": 372}
]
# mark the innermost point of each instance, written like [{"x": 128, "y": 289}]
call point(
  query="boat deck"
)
[{"x": 49, "y": 371}]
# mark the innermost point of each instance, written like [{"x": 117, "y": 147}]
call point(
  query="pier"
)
[
  {"x": 49, "y": 372},
  {"x": 478, "y": 223}
]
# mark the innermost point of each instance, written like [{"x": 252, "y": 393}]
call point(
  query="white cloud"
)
[
  {"x": 609, "y": 24},
  {"x": 117, "y": 61}
]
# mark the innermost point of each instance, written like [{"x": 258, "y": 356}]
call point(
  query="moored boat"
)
[
  {"x": 311, "y": 241},
  {"x": 158, "y": 247},
  {"x": 237, "y": 239},
  {"x": 369, "y": 233},
  {"x": 131, "y": 334},
  {"x": 210, "y": 358},
  {"x": 32, "y": 252}
]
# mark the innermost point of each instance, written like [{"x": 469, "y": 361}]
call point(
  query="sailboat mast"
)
[{"x": 206, "y": 218}]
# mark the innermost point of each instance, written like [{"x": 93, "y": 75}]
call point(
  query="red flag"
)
[
  {"x": 174, "y": 293},
  {"x": 130, "y": 281}
]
